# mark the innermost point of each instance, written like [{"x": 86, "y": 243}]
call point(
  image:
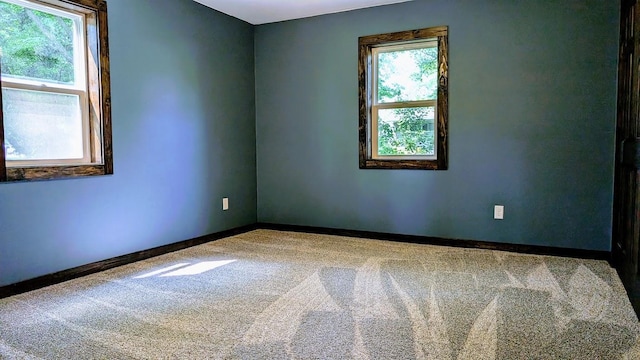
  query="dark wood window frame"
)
[
  {"x": 365, "y": 46},
  {"x": 99, "y": 94}
]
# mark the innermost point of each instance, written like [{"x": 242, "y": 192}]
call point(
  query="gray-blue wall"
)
[
  {"x": 182, "y": 79},
  {"x": 532, "y": 118}
]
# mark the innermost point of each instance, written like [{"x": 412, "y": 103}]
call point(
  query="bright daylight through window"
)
[
  {"x": 403, "y": 100},
  {"x": 55, "y": 89}
]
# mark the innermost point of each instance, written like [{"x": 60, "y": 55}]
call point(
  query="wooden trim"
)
[
  {"x": 105, "y": 81},
  {"x": 631, "y": 153},
  {"x": 36, "y": 173},
  {"x": 66, "y": 275},
  {"x": 364, "y": 99},
  {"x": 400, "y": 164},
  {"x": 401, "y": 36},
  {"x": 365, "y": 46},
  {"x": 626, "y": 199},
  {"x": 92, "y": 4},
  {"x": 3, "y": 159},
  {"x": 443, "y": 102},
  {"x": 430, "y": 240}
]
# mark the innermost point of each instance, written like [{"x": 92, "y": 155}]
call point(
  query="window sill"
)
[
  {"x": 55, "y": 172},
  {"x": 403, "y": 164}
]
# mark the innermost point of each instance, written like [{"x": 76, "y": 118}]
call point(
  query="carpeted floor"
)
[{"x": 279, "y": 295}]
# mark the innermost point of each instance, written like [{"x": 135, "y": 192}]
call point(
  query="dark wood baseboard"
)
[
  {"x": 429, "y": 240},
  {"x": 69, "y": 274},
  {"x": 76, "y": 272}
]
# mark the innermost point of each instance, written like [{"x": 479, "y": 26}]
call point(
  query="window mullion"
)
[
  {"x": 407, "y": 104},
  {"x": 43, "y": 88},
  {"x": 374, "y": 131},
  {"x": 374, "y": 78}
]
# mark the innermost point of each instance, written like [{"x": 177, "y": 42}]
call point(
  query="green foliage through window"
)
[
  {"x": 407, "y": 75},
  {"x": 36, "y": 45},
  {"x": 406, "y": 131}
]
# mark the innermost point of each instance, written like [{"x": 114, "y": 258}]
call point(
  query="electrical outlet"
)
[
  {"x": 225, "y": 203},
  {"x": 498, "y": 212}
]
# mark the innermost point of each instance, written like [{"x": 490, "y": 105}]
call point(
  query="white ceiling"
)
[{"x": 267, "y": 11}]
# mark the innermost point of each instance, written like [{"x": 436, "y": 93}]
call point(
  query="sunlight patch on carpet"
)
[
  {"x": 198, "y": 268},
  {"x": 163, "y": 270},
  {"x": 186, "y": 269}
]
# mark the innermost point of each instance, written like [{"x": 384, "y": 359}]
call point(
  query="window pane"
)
[
  {"x": 41, "y": 126},
  {"x": 406, "y": 131},
  {"x": 36, "y": 45},
  {"x": 408, "y": 75}
]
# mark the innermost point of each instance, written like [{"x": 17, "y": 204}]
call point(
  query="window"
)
[
  {"x": 403, "y": 85},
  {"x": 56, "y": 116}
]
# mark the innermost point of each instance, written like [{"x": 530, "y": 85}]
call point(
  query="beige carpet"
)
[{"x": 279, "y": 295}]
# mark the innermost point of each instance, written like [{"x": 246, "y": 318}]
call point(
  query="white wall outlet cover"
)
[
  {"x": 225, "y": 203},
  {"x": 498, "y": 212}
]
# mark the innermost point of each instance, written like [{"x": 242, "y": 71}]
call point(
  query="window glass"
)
[
  {"x": 37, "y": 45},
  {"x": 408, "y": 75},
  {"x": 40, "y": 125},
  {"x": 406, "y": 131}
]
